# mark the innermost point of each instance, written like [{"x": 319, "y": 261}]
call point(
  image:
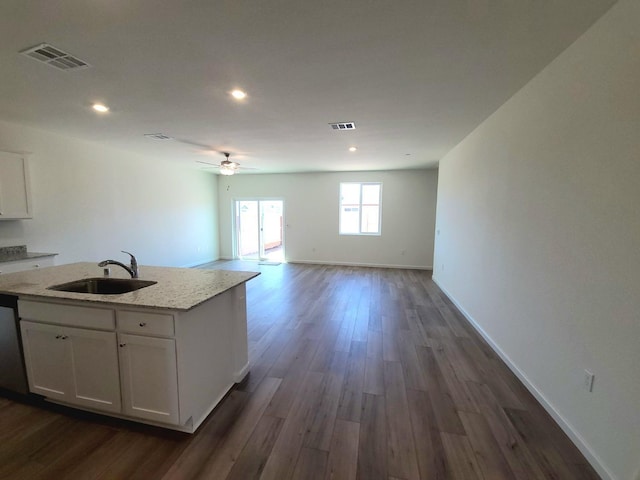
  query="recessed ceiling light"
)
[
  {"x": 238, "y": 94},
  {"x": 98, "y": 107},
  {"x": 352, "y": 149}
]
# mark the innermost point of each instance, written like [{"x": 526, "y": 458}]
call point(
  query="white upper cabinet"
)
[{"x": 15, "y": 193}]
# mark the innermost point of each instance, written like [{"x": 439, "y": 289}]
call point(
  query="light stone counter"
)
[{"x": 177, "y": 288}]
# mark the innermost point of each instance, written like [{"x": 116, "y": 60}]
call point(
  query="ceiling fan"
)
[{"x": 227, "y": 167}]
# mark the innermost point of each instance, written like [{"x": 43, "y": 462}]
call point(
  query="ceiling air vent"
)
[
  {"x": 157, "y": 136},
  {"x": 343, "y": 126},
  {"x": 55, "y": 57}
]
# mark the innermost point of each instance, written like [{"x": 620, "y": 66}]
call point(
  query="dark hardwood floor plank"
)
[
  {"x": 413, "y": 373},
  {"x": 372, "y": 447},
  {"x": 64, "y": 464},
  {"x": 374, "y": 344},
  {"x": 148, "y": 456},
  {"x": 472, "y": 357},
  {"x": 462, "y": 399},
  {"x": 311, "y": 465},
  {"x": 297, "y": 355},
  {"x": 253, "y": 457},
  {"x": 390, "y": 350},
  {"x": 209, "y": 438},
  {"x": 429, "y": 449},
  {"x": 461, "y": 458},
  {"x": 543, "y": 447},
  {"x": 284, "y": 455},
  {"x": 374, "y": 376},
  {"x": 320, "y": 429},
  {"x": 418, "y": 333},
  {"x": 489, "y": 458},
  {"x": 97, "y": 462},
  {"x": 401, "y": 452},
  {"x": 446, "y": 415},
  {"x": 343, "y": 452},
  {"x": 221, "y": 460},
  {"x": 351, "y": 399},
  {"x": 511, "y": 444}
]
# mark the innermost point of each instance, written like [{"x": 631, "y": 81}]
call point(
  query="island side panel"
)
[
  {"x": 240, "y": 336},
  {"x": 205, "y": 356}
]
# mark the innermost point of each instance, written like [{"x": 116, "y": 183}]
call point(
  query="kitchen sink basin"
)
[{"x": 103, "y": 286}]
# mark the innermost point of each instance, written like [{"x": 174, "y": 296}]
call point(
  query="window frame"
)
[{"x": 340, "y": 207}]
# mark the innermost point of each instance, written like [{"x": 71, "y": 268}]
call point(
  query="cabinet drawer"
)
[
  {"x": 71, "y": 315},
  {"x": 24, "y": 265},
  {"x": 145, "y": 323}
]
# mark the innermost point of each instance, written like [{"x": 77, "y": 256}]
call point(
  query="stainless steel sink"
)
[{"x": 103, "y": 286}]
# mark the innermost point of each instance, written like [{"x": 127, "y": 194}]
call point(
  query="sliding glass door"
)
[{"x": 260, "y": 230}]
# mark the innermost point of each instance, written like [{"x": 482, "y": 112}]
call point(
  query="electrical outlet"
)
[{"x": 588, "y": 380}]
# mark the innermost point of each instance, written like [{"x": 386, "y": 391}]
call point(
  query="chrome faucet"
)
[{"x": 133, "y": 269}]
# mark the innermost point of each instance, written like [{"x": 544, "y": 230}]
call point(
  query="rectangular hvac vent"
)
[
  {"x": 343, "y": 125},
  {"x": 55, "y": 57},
  {"x": 157, "y": 136}
]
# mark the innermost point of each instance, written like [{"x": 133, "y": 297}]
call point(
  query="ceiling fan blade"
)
[
  {"x": 208, "y": 148},
  {"x": 209, "y": 164}
]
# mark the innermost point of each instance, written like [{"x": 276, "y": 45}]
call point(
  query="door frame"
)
[{"x": 234, "y": 225}]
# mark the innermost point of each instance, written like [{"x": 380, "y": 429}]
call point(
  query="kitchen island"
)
[{"x": 165, "y": 354}]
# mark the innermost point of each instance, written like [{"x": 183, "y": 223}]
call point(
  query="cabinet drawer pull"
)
[
  {"x": 123, "y": 344},
  {"x": 58, "y": 336},
  {"x": 64, "y": 337},
  {"x": 143, "y": 324}
]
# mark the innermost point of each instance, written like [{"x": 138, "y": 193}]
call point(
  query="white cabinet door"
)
[
  {"x": 47, "y": 359},
  {"x": 73, "y": 365},
  {"x": 94, "y": 369},
  {"x": 149, "y": 378},
  {"x": 15, "y": 196}
]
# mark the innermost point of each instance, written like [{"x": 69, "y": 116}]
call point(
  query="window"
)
[{"x": 360, "y": 208}]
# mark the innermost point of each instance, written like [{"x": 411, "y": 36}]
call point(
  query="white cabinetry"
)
[
  {"x": 75, "y": 365},
  {"x": 15, "y": 194},
  {"x": 167, "y": 368},
  {"x": 24, "y": 265},
  {"x": 149, "y": 377}
]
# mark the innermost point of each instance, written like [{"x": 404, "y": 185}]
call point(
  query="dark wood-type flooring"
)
[{"x": 355, "y": 373}]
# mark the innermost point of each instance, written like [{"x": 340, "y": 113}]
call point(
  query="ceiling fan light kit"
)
[{"x": 227, "y": 167}]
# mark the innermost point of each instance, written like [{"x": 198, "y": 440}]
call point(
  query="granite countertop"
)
[
  {"x": 177, "y": 288},
  {"x": 19, "y": 252}
]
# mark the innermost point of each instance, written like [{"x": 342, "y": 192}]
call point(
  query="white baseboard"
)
[
  {"x": 575, "y": 437},
  {"x": 199, "y": 262},
  {"x": 355, "y": 264},
  {"x": 240, "y": 374}
]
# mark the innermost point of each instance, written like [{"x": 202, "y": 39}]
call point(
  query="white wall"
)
[
  {"x": 90, "y": 202},
  {"x": 539, "y": 236},
  {"x": 311, "y": 216}
]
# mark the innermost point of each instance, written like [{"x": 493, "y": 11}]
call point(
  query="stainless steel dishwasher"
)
[{"x": 12, "y": 372}]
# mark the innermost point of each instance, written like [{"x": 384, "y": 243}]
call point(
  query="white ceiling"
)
[{"x": 416, "y": 76}]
